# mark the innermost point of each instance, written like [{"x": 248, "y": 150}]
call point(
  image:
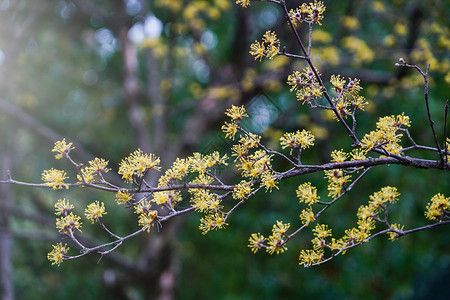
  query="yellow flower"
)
[
  {"x": 123, "y": 197},
  {"x": 269, "y": 46},
  {"x": 62, "y": 207},
  {"x": 307, "y": 216},
  {"x": 68, "y": 223},
  {"x": 438, "y": 208},
  {"x": 98, "y": 165},
  {"x": 62, "y": 148},
  {"x": 146, "y": 220},
  {"x": 242, "y": 190},
  {"x": 268, "y": 180},
  {"x": 298, "y": 140},
  {"x": 243, "y": 3},
  {"x": 309, "y": 257},
  {"x": 275, "y": 244},
  {"x": 54, "y": 178},
  {"x": 394, "y": 235},
  {"x": 212, "y": 221},
  {"x": 307, "y": 193},
  {"x": 321, "y": 231},
  {"x": 230, "y": 130},
  {"x": 316, "y": 11},
  {"x": 137, "y": 164},
  {"x": 338, "y": 156},
  {"x": 57, "y": 255},
  {"x": 256, "y": 242},
  {"x": 387, "y": 194},
  {"x": 236, "y": 112},
  {"x": 94, "y": 211}
]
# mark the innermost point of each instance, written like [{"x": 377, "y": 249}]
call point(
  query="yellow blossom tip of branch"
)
[
  {"x": 54, "y": 178},
  {"x": 62, "y": 148},
  {"x": 57, "y": 255},
  {"x": 94, "y": 211}
]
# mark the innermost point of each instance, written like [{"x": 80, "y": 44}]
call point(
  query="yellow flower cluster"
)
[
  {"x": 95, "y": 211},
  {"x": 57, "y": 255},
  {"x": 386, "y": 135},
  {"x": 366, "y": 223},
  {"x": 96, "y": 167},
  {"x": 256, "y": 242},
  {"x": 242, "y": 190},
  {"x": 309, "y": 13},
  {"x": 253, "y": 165},
  {"x": 212, "y": 221},
  {"x": 309, "y": 257},
  {"x": 306, "y": 85},
  {"x": 68, "y": 223},
  {"x": 306, "y": 193},
  {"x": 269, "y": 46},
  {"x": 336, "y": 181},
  {"x": 62, "y": 207},
  {"x": 123, "y": 197},
  {"x": 275, "y": 242},
  {"x": 62, "y": 148},
  {"x": 438, "y": 208},
  {"x": 298, "y": 140},
  {"x": 146, "y": 215},
  {"x": 54, "y": 178},
  {"x": 347, "y": 95},
  {"x": 393, "y": 235},
  {"x": 243, "y": 3},
  {"x": 137, "y": 164}
]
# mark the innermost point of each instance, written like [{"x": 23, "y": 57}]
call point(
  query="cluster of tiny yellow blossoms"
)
[
  {"x": 298, "y": 140},
  {"x": 62, "y": 148},
  {"x": 367, "y": 215},
  {"x": 242, "y": 190},
  {"x": 212, "y": 221},
  {"x": 438, "y": 208},
  {"x": 269, "y": 46},
  {"x": 68, "y": 223},
  {"x": 54, "y": 178},
  {"x": 95, "y": 211},
  {"x": 347, "y": 100},
  {"x": 146, "y": 215},
  {"x": 306, "y": 193},
  {"x": 57, "y": 255},
  {"x": 306, "y": 85},
  {"x": 96, "y": 167},
  {"x": 320, "y": 241},
  {"x": 336, "y": 181},
  {"x": 394, "y": 234},
  {"x": 137, "y": 164},
  {"x": 62, "y": 207},
  {"x": 256, "y": 242},
  {"x": 308, "y": 12},
  {"x": 386, "y": 135},
  {"x": 123, "y": 197},
  {"x": 275, "y": 242},
  {"x": 253, "y": 162},
  {"x": 243, "y": 3}
]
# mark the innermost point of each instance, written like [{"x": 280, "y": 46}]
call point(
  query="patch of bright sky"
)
[{"x": 151, "y": 28}]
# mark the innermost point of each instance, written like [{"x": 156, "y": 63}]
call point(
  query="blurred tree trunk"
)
[{"x": 7, "y": 290}]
